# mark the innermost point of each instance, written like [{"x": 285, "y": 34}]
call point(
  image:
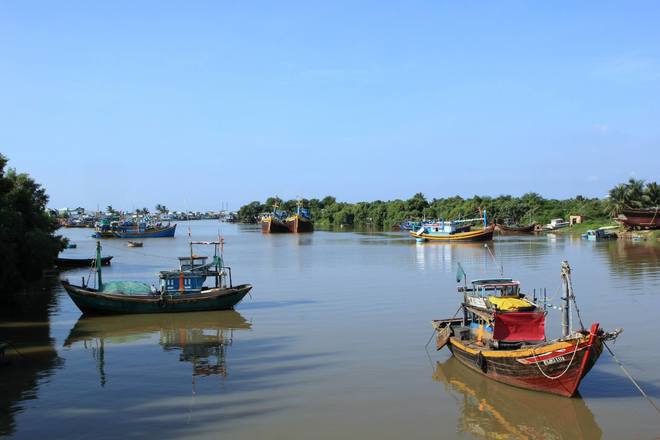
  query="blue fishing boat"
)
[
  {"x": 130, "y": 229},
  {"x": 454, "y": 230},
  {"x": 147, "y": 231},
  {"x": 410, "y": 225},
  {"x": 599, "y": 234},
  {"x": 180, "y": 290}
]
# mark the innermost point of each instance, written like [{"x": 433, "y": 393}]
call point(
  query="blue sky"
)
[{"x": 196, "y": 103}]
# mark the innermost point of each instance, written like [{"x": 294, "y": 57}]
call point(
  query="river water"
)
[{"x": 330, "y": 344}]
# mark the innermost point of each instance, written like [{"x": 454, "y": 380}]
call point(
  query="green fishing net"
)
[{"x": 126, "y": 287}]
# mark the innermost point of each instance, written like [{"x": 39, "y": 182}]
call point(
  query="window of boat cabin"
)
[
  {"x": 184, "y": 262},
  {"x": 485, "y": 288}
]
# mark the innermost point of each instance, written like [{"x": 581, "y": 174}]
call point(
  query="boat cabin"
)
[
  {"x": 495, "y": 311},
  {"x": 188, "y": 263}
]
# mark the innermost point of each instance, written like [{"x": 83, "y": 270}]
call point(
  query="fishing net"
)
[{"x": 126, "y": 287}]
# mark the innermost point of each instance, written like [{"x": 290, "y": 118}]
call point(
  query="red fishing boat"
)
[
  {"x": 502, "y": 335},
  {"x": 641, "y": 218}
]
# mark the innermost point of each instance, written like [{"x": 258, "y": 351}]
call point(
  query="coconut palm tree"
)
[
  {"x": 618, "y": 198},
  {"x": 635, "y": 193},
  {"x": 651, "y": 195}
]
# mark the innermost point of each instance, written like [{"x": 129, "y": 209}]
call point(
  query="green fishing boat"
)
[{"x": 181, "y": 290}]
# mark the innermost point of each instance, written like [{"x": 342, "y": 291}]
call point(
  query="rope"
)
[
  {"x": 563, "y": 372},
  {"x": 577, "y": 311},
  {"x": 14, "y": 348},
  {"x": 435, "y": 330},
  {"x": 631, "y": 378},
  {"x": 430, "y": 339}
]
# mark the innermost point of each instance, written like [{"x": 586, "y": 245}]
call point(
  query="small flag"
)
[{"x": 460, "y": 273}]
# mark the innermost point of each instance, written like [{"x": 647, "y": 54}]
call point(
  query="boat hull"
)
[
  {"x": 479, "y": 235},
  {"x": 273, "y": 226},
  {"x": 550, "y": 368},
  {"x": 67, "y": 263},
  {"x": 299, "y": 224},
  {"x": 90, "y": 301},
  {"x": 641, "y": 218},
  {"x": 503, "y": 229},
  {"x": 167, "y": 231}
]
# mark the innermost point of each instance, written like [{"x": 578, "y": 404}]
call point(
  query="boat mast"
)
[
  {"x": 99, "y": 280},
  {"x": 566, "y": 327}
]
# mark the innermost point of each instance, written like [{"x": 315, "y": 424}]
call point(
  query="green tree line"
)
[
  {"x": 27, "y": 241},
  {"x": 328, "y": 212}
]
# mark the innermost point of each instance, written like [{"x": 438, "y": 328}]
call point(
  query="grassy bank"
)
[{"x": 583, "y": 227}]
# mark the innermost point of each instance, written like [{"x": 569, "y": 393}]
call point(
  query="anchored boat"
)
[
  {"x": 455, "y": 230},
  {"x": 69, "y": 263},
  {"x": 147, "y": 229},
  {"x": 515, "y": 229},
  {"x": 274, "y": 222},
  {"x": 301, "y": 221},
  {"x": 502, "y": 335},
  {"x": 181, "y": 290},
  {"x": 641, "y": 218}
]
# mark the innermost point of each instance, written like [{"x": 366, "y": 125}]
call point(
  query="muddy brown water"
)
[{"x": 330, "y": 344}]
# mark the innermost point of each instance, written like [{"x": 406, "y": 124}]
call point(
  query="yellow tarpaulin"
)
[{"x": 509, "y": 304}]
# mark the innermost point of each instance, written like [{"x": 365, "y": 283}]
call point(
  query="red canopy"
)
[{"x": 519, "y": 326}]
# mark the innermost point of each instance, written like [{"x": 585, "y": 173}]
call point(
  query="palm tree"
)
[
  {"x": 651, "y": 195},
  {"x": 618, "y": 198},
  {"x": 635, "y": 192}
]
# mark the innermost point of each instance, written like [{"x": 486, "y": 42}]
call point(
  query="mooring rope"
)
[
  {"x": 435, "y": 330},
  {"x": 577, "y": 344},
  {"x": 13, "y": 348},
  {"x": 632, "y": 379}
]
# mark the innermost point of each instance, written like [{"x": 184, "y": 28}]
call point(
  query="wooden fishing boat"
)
[
  {"x": 150, "y": 231},
  {"x": 179, "y": 290},
  {"x": 68, "y": 263},
  {"x": 515, "y": 229},
  {"x": 301, "y": 221},
  {"x": 502, "y": 335},
  {"x": 641, "y": 218},
  {"x": 455, "y": 230},
  {"x": 273, "y": 223},
  {"x": 135, "y": 244},
  {"x": 130, "y": 230}
]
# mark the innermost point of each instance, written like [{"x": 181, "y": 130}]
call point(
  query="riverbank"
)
[{"x": 621, "y": 232}]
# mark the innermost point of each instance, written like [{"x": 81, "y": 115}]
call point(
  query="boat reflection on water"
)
[
  {"x": 496, "y": 411},
  {"x": 201, "y": 337}
]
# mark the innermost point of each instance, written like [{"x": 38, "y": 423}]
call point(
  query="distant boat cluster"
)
[
  {"x": 79, "y": 218},
  {"x": 278, "y": 221}
]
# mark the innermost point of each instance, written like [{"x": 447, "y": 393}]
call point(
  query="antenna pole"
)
[
  {"x": 566, "y": 328},
  {"x": 494, "y": 259},
  {"x": 98, "y": 266}
]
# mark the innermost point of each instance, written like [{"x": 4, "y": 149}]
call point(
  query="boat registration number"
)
[{"x": 554, "y": 360}]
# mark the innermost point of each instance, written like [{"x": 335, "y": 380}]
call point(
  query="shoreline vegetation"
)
[
  {"x": 531, "y": 207},
  {"x": 28, "y": 244}
]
